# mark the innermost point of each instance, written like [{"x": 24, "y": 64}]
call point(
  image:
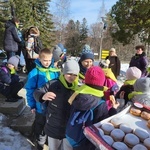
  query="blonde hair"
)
[{"x": 45, "y": 51}]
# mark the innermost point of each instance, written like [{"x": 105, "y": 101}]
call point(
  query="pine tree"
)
[
  {"x": 35, "y": 13},
  {"x": 83, "y": 31}
]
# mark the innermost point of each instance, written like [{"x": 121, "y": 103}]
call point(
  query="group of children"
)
[{"x": 54, "y": 93}]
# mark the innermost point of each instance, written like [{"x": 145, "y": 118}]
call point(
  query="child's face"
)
[
  {"x": 70, "y": 78},
  {"x": 87, "y": 63},
  {"x": 10, "y": 66},
  {"x": 45, "y": 60}
]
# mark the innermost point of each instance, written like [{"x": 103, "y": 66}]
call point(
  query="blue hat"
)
[{"x": 86, "y": 53}]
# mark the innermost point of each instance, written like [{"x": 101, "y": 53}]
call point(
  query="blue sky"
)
[{"x": 88, "y": 9}]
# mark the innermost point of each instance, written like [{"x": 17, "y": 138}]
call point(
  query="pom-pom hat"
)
[
  {"x": 87, "y": 53},
  {"x": 95, "y": 76}
]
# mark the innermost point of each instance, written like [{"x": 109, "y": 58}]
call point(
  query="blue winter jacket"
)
[{"x": 37, "y": 79}]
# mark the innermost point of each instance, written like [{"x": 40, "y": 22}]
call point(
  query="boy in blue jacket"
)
[
  {"x": 42, "y": 73},
  {"x": 9, "y": 79}
]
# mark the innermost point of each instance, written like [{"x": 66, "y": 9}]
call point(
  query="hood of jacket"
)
[
  {"x": 9, "y": 23},
  {"x": 85, "y": 101}
]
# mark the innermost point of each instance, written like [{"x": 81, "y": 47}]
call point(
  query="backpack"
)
[{"x": 78, "y": 120}]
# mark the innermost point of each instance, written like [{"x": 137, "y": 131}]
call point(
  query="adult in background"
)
[
  {"x": 11, "y": 37},
  {"x": 85, "y": 62},
  {"x": 139, "y": 60},
  {"x": 114, "y": 62},
  {"x": 33, "y": 45}
]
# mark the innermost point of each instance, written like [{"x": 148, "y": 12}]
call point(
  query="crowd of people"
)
[{"x": 57, "y": 87}]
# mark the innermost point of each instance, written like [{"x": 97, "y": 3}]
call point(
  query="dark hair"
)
[
  {"x": 14, "y": 20},
  {"x": 140, "y": 46}
]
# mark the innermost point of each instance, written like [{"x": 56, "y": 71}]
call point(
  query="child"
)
[
  {"x": 110, "y": 82},
  {"x": 57, "y": 93},
  {"x": 59, "y": 57},
  {"x": 9, "y": 80},
  {"x": 85, "y": 62},
  {"x": 132, "y": 74},
  {"x": 141, "y": 92},
  {"x": 88, "y": 96},
  {"x": 43, "y": 72}
]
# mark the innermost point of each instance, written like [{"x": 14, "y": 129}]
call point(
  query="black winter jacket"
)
[
  {"x": 58, "y": 110},
  {"x": 11, "y": 38},
  {"x": 114, "y": 65}
]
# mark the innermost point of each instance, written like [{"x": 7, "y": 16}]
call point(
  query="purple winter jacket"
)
[{"x": 139, "y": 61}]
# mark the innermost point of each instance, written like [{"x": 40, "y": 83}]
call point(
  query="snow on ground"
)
[{"x": 12, "y": 140}]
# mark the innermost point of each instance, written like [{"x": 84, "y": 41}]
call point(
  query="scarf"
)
[
  {"x": 129, "y": 82},
  {"x": 81, "y": 76},
  {"x": 134, "y": 93},
  {"x": 84, "y": 89},
  {"x": 47, "y": 70},
  {"x": 73, "y": 86},
  {"x": 82, "y": 69},
  {"x": 12, "y": 71}
]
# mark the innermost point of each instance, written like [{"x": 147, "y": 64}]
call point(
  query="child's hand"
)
[
  {"x": 33, "y": 110},
  {"x": 49, "y": 96},
  {"x": 112, "y": 99},
  {"x": 116, "y": 105}
]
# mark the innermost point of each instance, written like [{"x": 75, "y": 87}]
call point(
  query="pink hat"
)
[
  {"x": 95, "y": 76},
  {"x": 133, "y": 73}
]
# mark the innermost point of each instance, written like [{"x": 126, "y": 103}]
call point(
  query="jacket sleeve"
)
[
  {"x": 144, "y": 64},
  {"x": 30, "y": 86},
  {"x": 5, "y": 77},
  {"x": 38, "y": 93}
]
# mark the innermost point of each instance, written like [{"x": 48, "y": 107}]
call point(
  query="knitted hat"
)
[
  {"x": 133, "y": 73},
  {"x": 61, "y": 46},
  {"x": 71, "y": 66},
  {"x": 86, "y": 53},
  {"x": 57, "y": 53},
  {"x": 95, "y": 76},
  {"x": 142, "y": 85},
  {"x": 104, "y": 63},
  {"x": 14, "y": 60},
  {"x": 112, "y": 50}
]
